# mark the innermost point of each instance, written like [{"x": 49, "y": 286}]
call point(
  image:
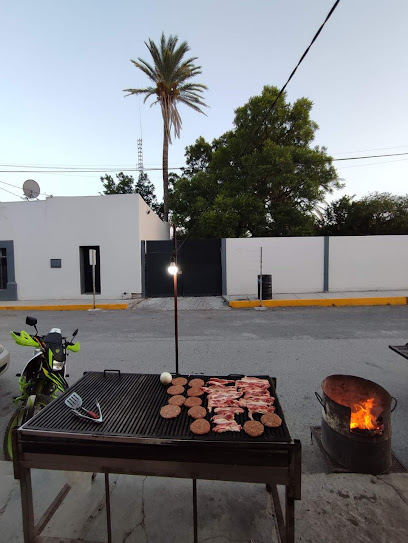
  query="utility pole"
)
[{"x": 175, "y": 296}]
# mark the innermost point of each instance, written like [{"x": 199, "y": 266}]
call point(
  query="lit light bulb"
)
[{"x": 172, "y": 269}]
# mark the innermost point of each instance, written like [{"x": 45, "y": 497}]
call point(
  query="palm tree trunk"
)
[{"x": 165, "y": 172}]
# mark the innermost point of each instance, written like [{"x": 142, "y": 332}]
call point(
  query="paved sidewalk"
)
[
  {"x": 82, "y": 304},
  {"x": 334, "y": 507},
  {"x": 345, "y": 298},
  {"x": 185, "y": 304},
  {"x": 362, "y": 298}
]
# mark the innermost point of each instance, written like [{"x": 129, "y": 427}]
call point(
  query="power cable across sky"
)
[{"x": 74, "y": 169}]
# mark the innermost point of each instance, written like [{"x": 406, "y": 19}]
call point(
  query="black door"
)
[
  {"x": 86, "y": 270},
  {"x": 159, "y": 283},
  {"x": 200, "y": 268}
]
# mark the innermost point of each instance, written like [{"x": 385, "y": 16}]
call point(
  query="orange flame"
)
[{"x": 362, "y": 416}]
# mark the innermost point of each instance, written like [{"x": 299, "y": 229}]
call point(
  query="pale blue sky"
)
[{"x": 64, "y": 65}]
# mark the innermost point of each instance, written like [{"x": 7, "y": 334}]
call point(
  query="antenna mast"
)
[
  {"x": 140, "y": 156},
  {"x": 140, "y": 147}
]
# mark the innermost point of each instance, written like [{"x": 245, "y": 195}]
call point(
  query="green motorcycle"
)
[{"x": 43, "y": 377}]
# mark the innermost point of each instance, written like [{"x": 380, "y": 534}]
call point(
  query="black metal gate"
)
[{"x": 199, "y": 262}]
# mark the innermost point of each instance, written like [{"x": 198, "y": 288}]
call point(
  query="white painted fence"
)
[
  {"x": 368, "y": 263},
  {"x": 297, "y": 264}
]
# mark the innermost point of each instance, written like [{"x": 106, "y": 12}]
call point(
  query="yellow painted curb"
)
[
  {"x": 395, "y": 300},
  {"x": 71, "y": 307}
]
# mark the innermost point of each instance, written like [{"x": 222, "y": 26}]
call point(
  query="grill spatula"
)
[{"x": 74, "y": 402}]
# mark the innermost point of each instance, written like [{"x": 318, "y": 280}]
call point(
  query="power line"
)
[
  {"x": 290, "y": 77},
  {"x": 102, "y": 170},
  {"x": 368, "y": 150},
  {"x": 9, "y": 191},
  {"x": 373, "y": 164},
  {"x": 17, "y": 187},
  {"x": 10, "y": 185},
  {"x": 371, "y": 156},
  {"x": 31, "y": 165},
  {"x": 105, "y": 170}
]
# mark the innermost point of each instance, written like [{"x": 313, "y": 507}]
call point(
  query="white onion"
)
[{"x": 166, "y": 378}]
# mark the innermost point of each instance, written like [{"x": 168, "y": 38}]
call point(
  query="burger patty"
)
[
  {"x": 179, "y": 381},
  {"x": 253, "y": 428},
  {"x": 194, "y": 391},
  {"x": 174, "y": 390},
  {"x": 200, "y": 427},
  {"x": 177, "y": 400},
  {"x": 170, "y": 411},
  {"x": 271, "y": 419},
  {"x": 197, "y": 412},
  {"x": 192, "y": 401},
  {"x": 196, "y": 383}
]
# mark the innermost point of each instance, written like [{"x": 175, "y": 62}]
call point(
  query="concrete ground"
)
[
  {"x": 325, "y": 295},
  {"x": 300, "y": 346},
  {"x": 82, "y": 304},
  {"x": 202, "y": 303},
  {"x": 334, "y": 507},
  {"x": 349, "y": 298}
]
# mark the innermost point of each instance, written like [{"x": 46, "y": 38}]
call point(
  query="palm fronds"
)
[{"x": 170, "y": 73}]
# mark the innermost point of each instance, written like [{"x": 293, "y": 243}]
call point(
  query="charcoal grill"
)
[
  {"x": 357, "y": 450},
  {"x": 134, "y": 439}
]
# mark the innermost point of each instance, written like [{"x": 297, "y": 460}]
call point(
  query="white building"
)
[{"x": 44, "y": 246}]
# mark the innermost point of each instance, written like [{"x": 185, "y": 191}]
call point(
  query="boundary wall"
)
[{"x": 316, "y": 264}]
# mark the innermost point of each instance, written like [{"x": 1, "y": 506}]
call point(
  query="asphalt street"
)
[{"x": 299, "y": 346}]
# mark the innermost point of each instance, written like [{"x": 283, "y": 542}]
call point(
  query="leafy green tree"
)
[
  {"x": 171, "y": 75},
  {"x": 262, "y": 178},
  {"x": 375, "y": 214},
  {"x": 145, "y": 188},
  {"x": 125, "y": 184}
]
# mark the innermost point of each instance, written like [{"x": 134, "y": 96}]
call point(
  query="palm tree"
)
[{"x": 171, "y": 75}]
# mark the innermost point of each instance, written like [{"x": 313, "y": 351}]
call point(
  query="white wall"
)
[
  {"x": 368, "y": 263},
  {"x": 296, "y": 264},
  {"x": 150, "y": 226},
  {"x": 57, "y": 227}
]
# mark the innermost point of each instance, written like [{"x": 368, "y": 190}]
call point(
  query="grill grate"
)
[{"x": 130, "y": 405}]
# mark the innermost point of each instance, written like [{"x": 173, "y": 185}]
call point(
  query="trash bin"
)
[{"x": 266, "y": 287}]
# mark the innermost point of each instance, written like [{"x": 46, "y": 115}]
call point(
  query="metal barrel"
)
[{"x": 266, "y": 287}]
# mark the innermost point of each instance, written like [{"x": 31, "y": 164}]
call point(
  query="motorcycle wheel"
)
[{"x": 18, "y": 418}]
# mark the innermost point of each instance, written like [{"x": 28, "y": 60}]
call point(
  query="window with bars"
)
[{"x": 3, "y": 269}]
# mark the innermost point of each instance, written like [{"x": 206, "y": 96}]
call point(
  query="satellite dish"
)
[{"x": 31, "y": 188}]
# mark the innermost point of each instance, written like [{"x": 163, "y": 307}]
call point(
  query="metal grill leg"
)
[
  {"x": 273, "y": 490},
  {"x": 27, "y": 504},
  {"x": 195, "y": 510},
  {"x": 108, "y": 513},
  {"x": 290, "y": 516}
]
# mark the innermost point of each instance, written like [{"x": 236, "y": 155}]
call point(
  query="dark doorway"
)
[
  {"x": 3, "y": 269},
  {"x": 86, "y": 270},
  {"x": 8, "y": 285},
  {"x": 198, "y": 260}
]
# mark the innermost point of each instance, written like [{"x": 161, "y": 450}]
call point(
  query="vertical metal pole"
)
[
  {"x": 175, "y": 298},
  {"x": 93, "y": 282},
  {"x": 108, "y": 511},
  {"x": 326, "y": 253},
  {"x": 260, "y": 287},
  {"x": 92, "y": 261},
  {"x": 195, "y": 510}
]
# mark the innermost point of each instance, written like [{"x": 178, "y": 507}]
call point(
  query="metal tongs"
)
[{"x": 74, "y": 402}]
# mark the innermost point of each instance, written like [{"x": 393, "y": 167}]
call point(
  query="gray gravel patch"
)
[{"x": 204, "y": 303}]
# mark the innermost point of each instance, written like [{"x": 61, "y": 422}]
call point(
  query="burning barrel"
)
[{"x": 356, "y": 423}]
